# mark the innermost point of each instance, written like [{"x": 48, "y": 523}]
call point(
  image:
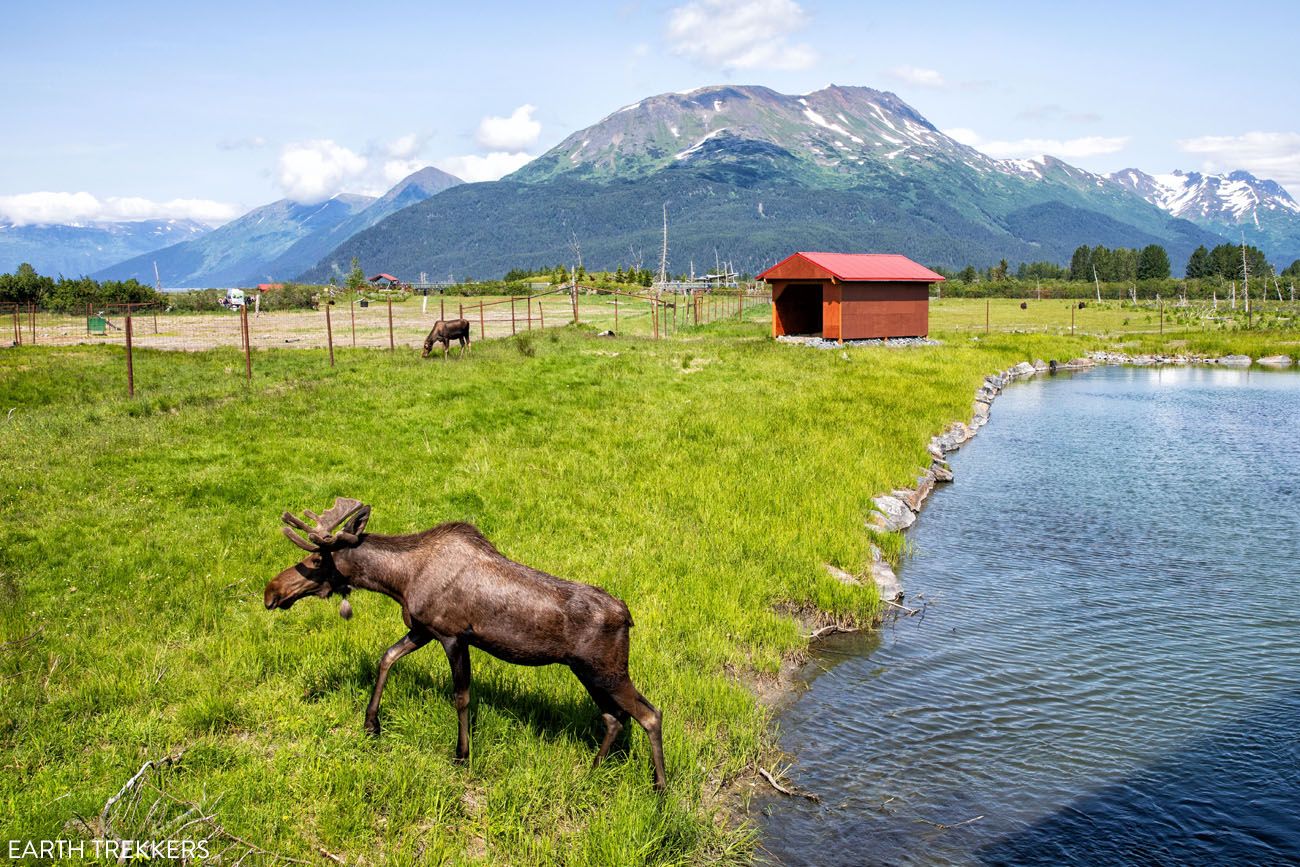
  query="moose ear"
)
[{"x": 357, "y": 523}]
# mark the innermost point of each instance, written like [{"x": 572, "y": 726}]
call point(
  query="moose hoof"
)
[{"x": 372, "y": 728}]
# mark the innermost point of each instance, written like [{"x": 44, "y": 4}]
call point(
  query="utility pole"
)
[{"x": 663, "y": 255}]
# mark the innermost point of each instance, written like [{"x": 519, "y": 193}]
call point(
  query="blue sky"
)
[{"x": 166, "y": 109}]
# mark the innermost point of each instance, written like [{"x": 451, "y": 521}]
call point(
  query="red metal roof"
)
[
  {"x": 389, "y": 277},
  {"x": 864, "y": 267}
]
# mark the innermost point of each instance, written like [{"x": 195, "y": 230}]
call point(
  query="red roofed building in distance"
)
[
  {"x": 850, "y": 296},
  {"x": 389, "y": 281}
]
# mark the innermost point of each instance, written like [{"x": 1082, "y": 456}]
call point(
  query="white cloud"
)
[
  {"x": 406, "y": 146},
  {"x": 50, "y": 207},
  {"x": 509, "y": 134},
  {"x": 740, "y": 34},
  {"x": 1273, "y": 155},
  {"x": 484, "y": 167},
  {"x": 919, "y": 76},
  {"x": 315, "y": 170},
  {"x": 396, "y": 170},
  {"x": 1074, "y": 148}
]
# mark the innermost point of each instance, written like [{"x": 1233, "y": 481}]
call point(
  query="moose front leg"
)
[
  {"x": 411, "y": 641},
  {"x": 458, "y": 656}
]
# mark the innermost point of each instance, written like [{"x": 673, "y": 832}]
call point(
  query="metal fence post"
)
[
  {"x": 329, "y": 331},
  {"x": 130, "y": 366},
  {"x": 248, "y": 347},
  {"x": 392, "y": 345}
]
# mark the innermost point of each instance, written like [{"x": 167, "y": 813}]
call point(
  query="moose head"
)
[{"x": 317, "y": 575}]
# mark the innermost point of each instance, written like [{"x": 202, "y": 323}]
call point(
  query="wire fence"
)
[{"x": 389, "y": 325}]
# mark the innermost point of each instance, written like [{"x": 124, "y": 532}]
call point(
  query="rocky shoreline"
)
[{"x": 897, "y": 510}]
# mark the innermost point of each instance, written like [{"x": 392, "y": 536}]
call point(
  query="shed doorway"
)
[{"x": 799, "y": 309}]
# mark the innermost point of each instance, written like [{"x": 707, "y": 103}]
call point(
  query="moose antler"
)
[{"x": 322, "y": 535}]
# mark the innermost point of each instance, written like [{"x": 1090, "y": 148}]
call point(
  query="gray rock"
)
[
  {"x": 1276, "y": 361},
  {"x": 887, "y": 583},
  {"x": 893, "y": 514},
  {"x": 1039, "y": 364},
  {"x": 1079, "y": 363},
  {"x": 841, "y": 576},
  {"x": 1024, "y": 368},
  {"x": 941, "y": 471},
  {"x": 1234, "y": 360}
]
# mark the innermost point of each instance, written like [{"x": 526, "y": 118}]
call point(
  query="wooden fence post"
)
[
  {"x": 87, "y": 318},
  {"x": 654, "y": 307},
  {"x": 442, "y": 308},
  {"x": 541, "y": 316},
  {"x": 130, "y": 364},
  {"x": 329, "y": 331},
  {"x": 482, "y": 330},
  {"x": 392, "y": 346},
  {"x": 1072, "y": 307},
  {"x": 528, "y": 306},
  {"x": 248, "y": 349},
  {"x": 352, "y": 312},
  {"x": 155, "y": 316},
  {"x": 1162, "y": 317},
  {"x": 986, "y": 316},
  {"x": 616, "y": 313},
  {"x": 741, "y": 296},
  {"x": 512, "y": 316},
  {"x": 18, "y": 331}
]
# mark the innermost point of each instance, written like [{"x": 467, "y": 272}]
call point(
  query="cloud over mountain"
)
[
  {"x": 42, "y": 208},
  {"x": 740, "y": 34}
]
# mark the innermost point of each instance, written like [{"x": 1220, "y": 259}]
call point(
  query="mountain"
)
[
  {"x": 280, "y": 240},
  {"x": 73, "y": 250},
  {"x": 236, "y": 253},
  {"x": 309, "y": 250},
  {"x": 1232, "y": 204},
  {"x": 749, "y": 175}
]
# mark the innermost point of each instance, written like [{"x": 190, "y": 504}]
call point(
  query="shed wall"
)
[{"x": 875, "y": 310}]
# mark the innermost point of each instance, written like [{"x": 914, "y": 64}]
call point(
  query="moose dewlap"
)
[{"x": 457, "y": 589}]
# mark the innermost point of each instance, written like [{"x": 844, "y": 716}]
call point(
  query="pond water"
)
[{"x": 1107, "y": 670}]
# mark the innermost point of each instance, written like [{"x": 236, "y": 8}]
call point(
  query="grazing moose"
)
[
  {"x": 444, "y": 332},
  {"x": 457, "y": 589}
]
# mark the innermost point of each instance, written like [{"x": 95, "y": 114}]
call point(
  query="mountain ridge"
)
[{"x": 756, "y": 172}]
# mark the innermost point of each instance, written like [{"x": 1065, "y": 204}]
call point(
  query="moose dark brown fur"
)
[
  {"x": 457, "y": 589},
  {"x": 445, "y": 331}
]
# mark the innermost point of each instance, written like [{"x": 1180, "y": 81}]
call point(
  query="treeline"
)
[
  {"x": 73, "y": 295},
  {"x": 560, "y": 274},
  {"x": 67, "y": 294},
  {"x": 1148, "y": 266}
]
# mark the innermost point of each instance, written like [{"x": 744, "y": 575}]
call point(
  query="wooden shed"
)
[{"x": 850, "y": 296}]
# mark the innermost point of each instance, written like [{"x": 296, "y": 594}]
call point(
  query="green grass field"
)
[{"x": 705, "y": 479}]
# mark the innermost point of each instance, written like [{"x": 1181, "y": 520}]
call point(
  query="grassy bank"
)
[{"x": 704, "y": 479}]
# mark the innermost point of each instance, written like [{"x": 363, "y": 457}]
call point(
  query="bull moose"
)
[
  {"x": 457, "y": 589},
  {"x": 444, "y": 331}
]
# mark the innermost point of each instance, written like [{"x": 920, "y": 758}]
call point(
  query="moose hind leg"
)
[
  {"x": 650, "y": 719},
  {"x": 411, "y": 641},
  {"x": 611, "y": 715},
  {"x": 458, "y": 656}
]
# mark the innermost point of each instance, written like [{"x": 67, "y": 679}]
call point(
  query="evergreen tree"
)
[
  {"x": 1198, "y": 264},
  {"x": 1292, "y": 270},
  {"x": 1081, "y": 263},
  {"x": 356, "y": 277},
  {"x": 968, "y": 275},
  {"x": 1152, "y": 263}
]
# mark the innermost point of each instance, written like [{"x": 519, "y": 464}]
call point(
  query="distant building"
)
[
  {"x": 386, "y": 281},
  {"x": 266, "y": 287},
  {"x": 850, "y": 296}
]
